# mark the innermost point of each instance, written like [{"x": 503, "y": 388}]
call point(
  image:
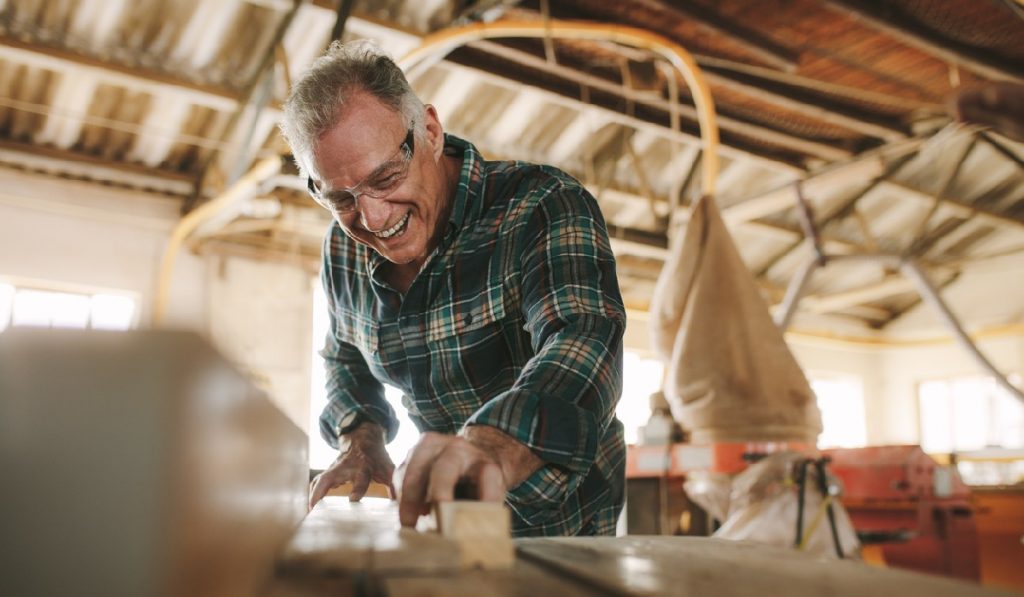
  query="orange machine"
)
[{"x": 918, "y": 512}]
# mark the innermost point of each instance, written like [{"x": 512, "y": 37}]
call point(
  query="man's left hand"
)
[{"x": 481, "y": 457}]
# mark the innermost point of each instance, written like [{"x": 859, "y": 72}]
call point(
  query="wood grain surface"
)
[
  {"x": 703, "y": 566},
  {"x": 348, "y": 538}
]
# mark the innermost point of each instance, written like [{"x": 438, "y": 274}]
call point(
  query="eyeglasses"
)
[{"x": 378, "y": 184}]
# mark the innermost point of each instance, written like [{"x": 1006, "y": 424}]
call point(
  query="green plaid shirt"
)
[{"x": 515, "y": 321}]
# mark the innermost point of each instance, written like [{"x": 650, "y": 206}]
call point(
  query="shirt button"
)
[{"x": 468, "y": 319}]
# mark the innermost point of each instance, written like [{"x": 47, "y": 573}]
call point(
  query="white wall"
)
[
  {"x": 74, "y": 234},
  {"x": 261, "y": 316}
]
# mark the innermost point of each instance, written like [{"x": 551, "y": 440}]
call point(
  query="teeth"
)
[{"x": 394, "y": 229}]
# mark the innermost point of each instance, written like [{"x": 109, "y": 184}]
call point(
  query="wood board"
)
[
  {"x": 364, "y": 544},
  {"x": 348, "y": 538},
  {"x": 638, "y": 565}
]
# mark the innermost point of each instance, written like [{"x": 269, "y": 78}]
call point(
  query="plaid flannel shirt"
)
[{"x": 515, "y": 321}]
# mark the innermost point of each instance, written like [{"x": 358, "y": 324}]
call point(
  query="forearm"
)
[
  {"x": 516, "y": 460},
  {"x": 565, "y": 397},
  {"x": 353, "y": 394},
  {"x": 367, "y": 433}
]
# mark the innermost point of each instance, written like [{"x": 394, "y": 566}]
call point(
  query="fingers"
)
[
  {"x": 414, "y": 474},
  {"x": 445, "y": 472},
  {"x": 436, "y": 466},
  {"x": 490, "y": 483},
  {"x": 385, "y": 477},
  {"x": 360, "y": 483},
  {"x": 324, "y": 482}
]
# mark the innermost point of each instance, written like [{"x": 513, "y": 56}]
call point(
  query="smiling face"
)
[{"x": 404, "y": 223}]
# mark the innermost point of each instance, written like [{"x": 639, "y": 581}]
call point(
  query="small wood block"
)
[
  {"x": 482, "y": 530},
  {"x": 347, "y": 538}
]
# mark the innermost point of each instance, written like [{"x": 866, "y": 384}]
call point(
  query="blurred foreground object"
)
[
  {"x": 139, "y": 463},
  {"x": 996, "y": 105}
]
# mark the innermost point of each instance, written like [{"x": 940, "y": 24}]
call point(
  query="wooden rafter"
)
[
  {"x": 132, "y": 77},
  {"x": 957, "y": 206},
  {"x": 76, "y": 163},
  {"x": 793, "y": 98},
  {"x": 917, "y": 300},
  {"x": 750, "y": 39},
  {"x": 610, "y": 108},
  {"x": 594, "y": 82},
  {"x": 883, "y": 17},
  {"x": 848, "y": 205}
]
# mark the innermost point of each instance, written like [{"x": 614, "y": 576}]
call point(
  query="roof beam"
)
[
  {"x": 606, "y": 111},
  {"x": 75, "y": 164},
  {"x": 138, "y": 79},
  {"x": 794, "y": 99},
  {"x": 883, "y": 17},
  {"x": 983, "y": 214},
  {"x": 838, "y": 301},
  {"x": 751, "y": 40},
  {"x": 725, "y": 123},
  {"x": 865, "y": 167}
]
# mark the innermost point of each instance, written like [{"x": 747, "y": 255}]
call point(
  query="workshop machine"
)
[{"x": 917, "y": 512}]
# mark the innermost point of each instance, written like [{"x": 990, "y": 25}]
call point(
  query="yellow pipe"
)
[
  {"x": 242, "y": 188},
  {"x": 437, "y": 45}
]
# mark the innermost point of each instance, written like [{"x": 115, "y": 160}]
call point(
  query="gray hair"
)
[{"x": 317, "y": 98}]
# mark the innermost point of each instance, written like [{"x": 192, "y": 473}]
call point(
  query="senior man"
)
[{"x": 485, "y": 291}]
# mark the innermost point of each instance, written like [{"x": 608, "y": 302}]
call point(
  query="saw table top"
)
[{"x": 360, "y": 549}]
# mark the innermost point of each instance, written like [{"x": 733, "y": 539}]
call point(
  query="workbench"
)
[{"x": 344, "y": 548}]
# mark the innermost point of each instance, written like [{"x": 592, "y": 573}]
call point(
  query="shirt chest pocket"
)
[
  {"x": 467, "y": 316},
  {"x": 358, "y": 331}
]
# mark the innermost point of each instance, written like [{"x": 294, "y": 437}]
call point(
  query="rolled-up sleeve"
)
[
  {"x": 564, "y": 398},
  {"x": 354, "y": 395}
]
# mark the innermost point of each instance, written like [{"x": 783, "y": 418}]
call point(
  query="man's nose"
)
[{"x": 373, "y": 213}]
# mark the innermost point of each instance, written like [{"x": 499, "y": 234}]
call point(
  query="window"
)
[
  {"x": 38, "y": 307},
  {"x": 969, "y": 413},
  {"x": 641, "y": 377},
  {"x": 841, "y": 402},
  {"x": 980, "y": 421}
]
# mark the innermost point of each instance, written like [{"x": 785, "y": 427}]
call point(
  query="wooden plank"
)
[
  {"x": 348, "y": 538},
  {"x": 704, "y": 566},
  {"x": 482, "y": 531},
  {"x": 523, "y": 579},
  {"x": 316, "y": 586}
]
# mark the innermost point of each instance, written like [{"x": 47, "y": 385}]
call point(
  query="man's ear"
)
[{"x": 435, "y": 133}]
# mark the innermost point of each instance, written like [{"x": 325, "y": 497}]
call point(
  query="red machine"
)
[{"x": 918, "y": 512}]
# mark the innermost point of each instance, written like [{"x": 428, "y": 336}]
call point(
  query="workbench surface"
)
[{"x": 345, "y": 548}]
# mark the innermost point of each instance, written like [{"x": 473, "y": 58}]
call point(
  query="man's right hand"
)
[{"x": 362, "y": 459}]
